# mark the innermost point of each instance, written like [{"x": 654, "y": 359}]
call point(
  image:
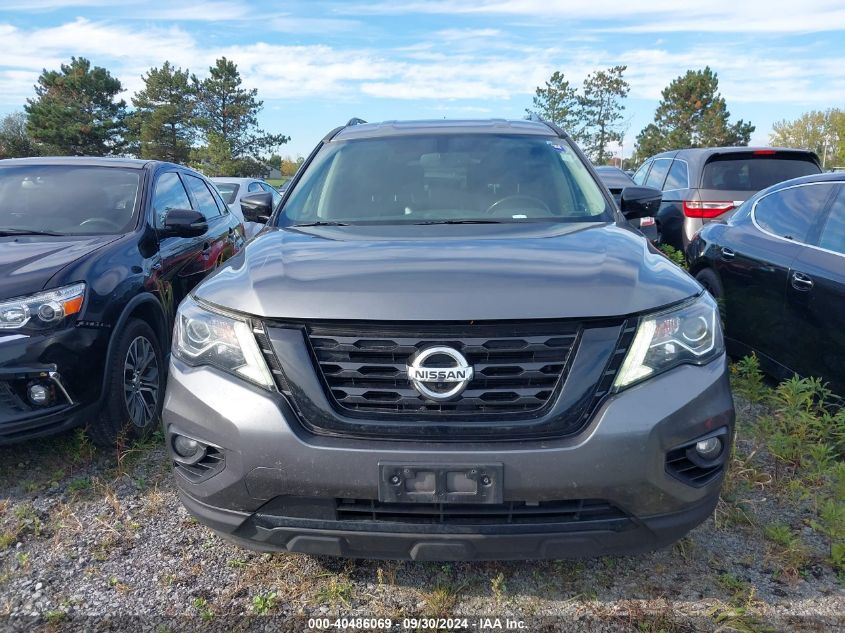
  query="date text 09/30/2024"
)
[{"x": 415, "y": 624}]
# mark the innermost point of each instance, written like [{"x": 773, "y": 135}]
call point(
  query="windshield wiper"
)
[
  {"x": 320, "y": 223},
  {"x": 459, "y": 222},
  {"x": 11, "y": 231}
]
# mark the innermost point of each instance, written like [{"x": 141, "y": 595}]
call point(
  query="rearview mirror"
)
[
  {"x": 640, "y": 202},
  {"x": 184, "y": 223},
  {"x": 257, "y": 207}
]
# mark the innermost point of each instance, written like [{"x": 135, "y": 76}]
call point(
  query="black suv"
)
[
  {"x": 704, "y": 183},
  {"x": 449, "y": 343},
  {"x": 95, "y": 255}
]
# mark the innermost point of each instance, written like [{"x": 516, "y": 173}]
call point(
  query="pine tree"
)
[
  {"x": 227, "y": 115},
  {"x": 558, "y": 103},
  {"x": 600, "y": 110},
  {"x": 692, "y": 113},
  {"x": 74, "y": 111},
  {"x": 163, "y": 125}
]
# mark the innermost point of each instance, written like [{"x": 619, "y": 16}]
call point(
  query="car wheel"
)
[
  {"x": 708, "y": 278},
  {"x": 135, "y": 387}
]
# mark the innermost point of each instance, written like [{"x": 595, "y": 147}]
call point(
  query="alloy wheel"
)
[{"x": 141, "y": 381}]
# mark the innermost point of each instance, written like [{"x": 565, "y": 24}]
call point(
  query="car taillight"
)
[
  {"x": 706, "y": 208},
  {"x": 764, "y": 152}
]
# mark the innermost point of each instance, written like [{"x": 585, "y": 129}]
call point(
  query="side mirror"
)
[
  {"x": 257, "y": 207},
  {"x": 640, "y": 202},
  {"x": 184, "y": 223}
]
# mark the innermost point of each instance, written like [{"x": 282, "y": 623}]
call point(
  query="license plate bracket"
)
[{"x": 438, "y": 483}]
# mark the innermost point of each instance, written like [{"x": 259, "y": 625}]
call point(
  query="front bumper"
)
[
  {"x": 69, "y": 362},
  {"x": 619, "y": 458}
]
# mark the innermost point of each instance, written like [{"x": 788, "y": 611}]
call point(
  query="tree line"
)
[
  {"x": 209, "y": 123},
  {"x": 691, "y": 113},
  {"x": 212, "y": 123}
]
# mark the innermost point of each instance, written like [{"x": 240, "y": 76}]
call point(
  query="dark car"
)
[
  {"x": 95, "y": 255},
  {"x": 778, "y": 269},
  {"x": 616, "y": 180},
  {"x": 448, "y": 343},
  {"x": 702, "y": 184}
]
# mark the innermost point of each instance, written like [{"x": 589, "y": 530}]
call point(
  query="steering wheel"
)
[
  {"x": 107, "y": 221},
  {"x": 516, "y": 203}
]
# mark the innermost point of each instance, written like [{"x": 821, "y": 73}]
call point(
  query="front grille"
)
[
  {"x": 518, "y": 366},
  {"x": 581, "y": 511}
]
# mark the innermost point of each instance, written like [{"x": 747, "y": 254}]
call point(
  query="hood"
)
[
  {"x": 28, "y": 262},
  {"x": 448, "y": 273}
]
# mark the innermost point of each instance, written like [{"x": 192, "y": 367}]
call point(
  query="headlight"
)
[
  {"x": 225, "y": 341},
  {"x": 691, "y": 333},
  {"x": 42, "y": 310}
]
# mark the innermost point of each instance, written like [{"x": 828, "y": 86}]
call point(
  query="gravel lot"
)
[{"x": 91, "y": 541}]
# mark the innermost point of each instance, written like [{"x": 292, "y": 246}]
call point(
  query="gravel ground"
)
[{"x": 90, "y": 541}]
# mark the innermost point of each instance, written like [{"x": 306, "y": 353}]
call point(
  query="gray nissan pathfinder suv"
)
[{"x": 449, "y": 344}]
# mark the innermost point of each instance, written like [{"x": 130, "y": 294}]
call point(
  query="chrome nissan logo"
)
[{"x": 439, "y": 373}]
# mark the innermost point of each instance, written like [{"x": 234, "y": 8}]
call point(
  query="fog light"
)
[
  {"x": 185, "y": 446},
  {"x": 38, "y": 394},
  {"x": 710, "y": 448}
]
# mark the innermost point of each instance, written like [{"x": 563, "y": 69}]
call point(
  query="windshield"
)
[
  {"x": 753, "y": 173},
  {"x": 68, "y": 200},
  {"x": 446, "y": 178},
  {"x": 229, "y": 191}
]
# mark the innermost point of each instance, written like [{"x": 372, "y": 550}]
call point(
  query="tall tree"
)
[
  {"x": 163, "y": 125},
  {"x": 821, "y": 131},
  {"x": 74, "y": 111},
  {"x": 692, "y": 113},
  {"x": 14, "y": 139},
  {"x": 557, "y": 102},
  {"x": 600, "y": 110},
  {"x": 227, "y": 114}
]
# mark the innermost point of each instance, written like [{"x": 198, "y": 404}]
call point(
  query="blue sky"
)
[{"x": 317, "y": 63}]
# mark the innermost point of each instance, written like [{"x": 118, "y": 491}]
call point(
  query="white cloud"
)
[
  {"x": 646, "y": 15},
  {"x": 220, "y": 11},
  {"x": 455, "y": 64}
]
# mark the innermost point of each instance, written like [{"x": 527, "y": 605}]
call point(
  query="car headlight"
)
[
  {"x": 226, "y": 341},
  {"x": 689, "y": 334},
  {"x": 43, "y": 310}
]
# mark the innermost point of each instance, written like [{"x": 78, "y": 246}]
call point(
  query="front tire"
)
[
  {"x": 709, "y": 278},
  {"x": 134, "y": 387}
]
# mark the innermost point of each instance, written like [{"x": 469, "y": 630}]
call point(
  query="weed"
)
[
  {"x": 674, "y": 255},
  {"x": 497, "y": 585},
  {"x": 264, "y": 602},
  {"x": 78, "y": 485},
  {"x": 337, "y": 591},
  {"x": 441, "y": 601},
  {"x": 23, "y": 560},
  {"x": 203, "y": 608},
  {"x": 55, "y": 617},
  {"x": 747, "y": 380},
  {"x": 788, "y": 548}
]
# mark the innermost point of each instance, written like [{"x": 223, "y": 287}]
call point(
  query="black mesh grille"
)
[
  {"x": 683, "y": 462},
  {"x": 517, "y": 366},
  {"x": 515, "y": 512},
  {"x": 686, "y": 470},
  {"x": 211, "y": 463}
]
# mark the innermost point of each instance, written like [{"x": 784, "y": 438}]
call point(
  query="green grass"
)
[{"x": 802, "y": 427}]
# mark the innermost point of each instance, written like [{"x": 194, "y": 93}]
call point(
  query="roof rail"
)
[
  {"x": 536, "y": 118},
  {"x": 355, "y": 121}
]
